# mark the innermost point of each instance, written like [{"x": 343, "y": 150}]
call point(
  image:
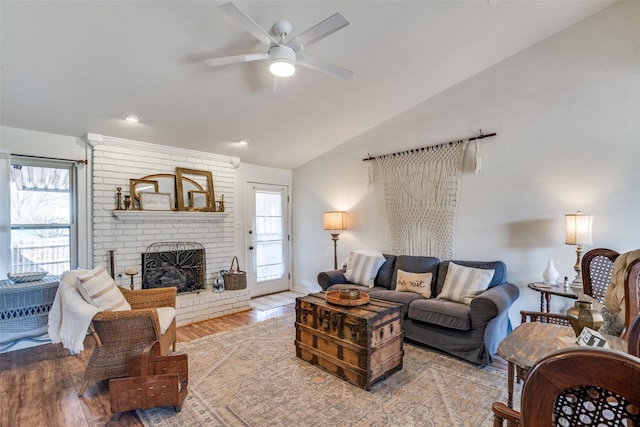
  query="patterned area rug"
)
[{"x": 252, "y": 377}]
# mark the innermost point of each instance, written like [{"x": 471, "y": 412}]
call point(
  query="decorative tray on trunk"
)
[{"x": 334, "y": 298}]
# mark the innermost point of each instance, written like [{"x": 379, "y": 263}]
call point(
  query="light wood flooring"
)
[
  {"x": 38, "y": 385},
  {"x": 267, "y": 302}
]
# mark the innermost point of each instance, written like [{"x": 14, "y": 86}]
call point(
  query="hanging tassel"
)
[
  {"x": 477, "y": 159},
  {"x": 370, "y": 172}
]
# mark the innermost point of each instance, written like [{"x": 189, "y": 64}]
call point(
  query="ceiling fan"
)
[{"x": 284, "y": 55}]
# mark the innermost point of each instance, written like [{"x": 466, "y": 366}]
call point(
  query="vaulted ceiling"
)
[{"x": 71, "y": 67}]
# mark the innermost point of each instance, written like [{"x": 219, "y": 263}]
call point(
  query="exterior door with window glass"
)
[
  {"x": 268, "y": 239},
  {"x": 43, "y": 230}
]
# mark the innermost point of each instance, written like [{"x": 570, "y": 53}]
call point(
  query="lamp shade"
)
[
  {"x": 579, "y": 229},
  {"x": 336, "y": 220}
]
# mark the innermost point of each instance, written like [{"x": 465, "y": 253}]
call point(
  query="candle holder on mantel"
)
[
  {"x": 119, "y": 198},
  {"x": 131, "y": 271}
]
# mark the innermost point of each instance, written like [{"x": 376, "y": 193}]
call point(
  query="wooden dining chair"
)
[
  {"x": 578, "y": 386},
  {"x": 634, "y": 337},
  {"x": 597, "y": 267}
]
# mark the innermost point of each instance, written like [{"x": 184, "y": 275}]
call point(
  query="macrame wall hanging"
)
[{"x": 421, "y": 194}]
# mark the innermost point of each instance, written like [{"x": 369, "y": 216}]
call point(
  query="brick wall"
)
[{"x": 115, "y": 161}]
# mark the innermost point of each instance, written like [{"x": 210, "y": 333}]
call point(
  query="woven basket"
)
[
  {"x": 235, "y": 279},
  {"x": 153, "y": 381}
]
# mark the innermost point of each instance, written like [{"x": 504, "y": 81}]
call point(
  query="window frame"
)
[{"x": 73, "y": 203}]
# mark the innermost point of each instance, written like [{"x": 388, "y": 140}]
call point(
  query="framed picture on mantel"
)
[
  {"x": 155, "y": 201},
  {"x": 203, "y": 177},
  {"x": 138, "y": 186},
  {"x": 198, "y": 199}
]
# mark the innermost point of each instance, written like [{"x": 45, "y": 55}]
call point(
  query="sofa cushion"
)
[
  {"x": 499, "y": 275},
  {"x": 363, "y": 266},
  {"x": 416, "y": 264},
  {"x": 463, "y": 284},
  {"x": 419, "y": 283},
  {"x": 404, "y": 298},
  {"x": 441, "y": 312}
]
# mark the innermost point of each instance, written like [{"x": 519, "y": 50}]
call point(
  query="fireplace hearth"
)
[{"x": 179, "y": 264}]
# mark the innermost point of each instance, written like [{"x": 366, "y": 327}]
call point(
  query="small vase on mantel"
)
[{"x": 550, "y": 274}]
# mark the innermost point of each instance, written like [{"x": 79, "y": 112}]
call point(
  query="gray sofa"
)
[{"x": 469, "y": 331}]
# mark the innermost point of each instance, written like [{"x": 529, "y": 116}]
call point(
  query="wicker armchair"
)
[
  {"x": 596, "y": 265},
  {"x": 578, "y": 386},
  {"x": 121, "y": 334}
]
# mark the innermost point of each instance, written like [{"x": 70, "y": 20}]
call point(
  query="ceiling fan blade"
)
[
  {"x": 318, "y": 32},
  {"x": 235, "y": 13},
  {"x": 226, "y": 60},
  {"x": 322, "y": 66}
]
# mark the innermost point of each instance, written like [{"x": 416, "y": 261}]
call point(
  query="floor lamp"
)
[
  {"x": 335, "y": 220},
  {"x": 578, "y": 233}
]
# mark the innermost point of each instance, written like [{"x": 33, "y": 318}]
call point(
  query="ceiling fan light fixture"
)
[{"x": 283, "y": 61}]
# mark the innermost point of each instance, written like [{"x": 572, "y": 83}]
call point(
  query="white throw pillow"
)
[
  {"x": 98, "y": 288},
  {"x": 463, "y": 284},
  {"x": 363, "y": 266},
  {"x": 419, "y": 283}
]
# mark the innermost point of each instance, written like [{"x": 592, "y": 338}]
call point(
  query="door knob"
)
[{"x": 250, "y": 248}]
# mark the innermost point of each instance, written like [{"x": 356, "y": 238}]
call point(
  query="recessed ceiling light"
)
[
  {"x": 244, "y": 141},
  {"x": 132, "y": 117}
]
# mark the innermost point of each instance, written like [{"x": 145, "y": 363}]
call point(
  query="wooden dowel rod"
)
[{"x": 481, "y": 136}]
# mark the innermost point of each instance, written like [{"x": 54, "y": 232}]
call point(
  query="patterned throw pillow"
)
[
  {"x": 363, "y": 266},
  {"x": 98, "y": 288},
  {"x": 463, "y": 284},
  {"x": 419, "y": 283}
]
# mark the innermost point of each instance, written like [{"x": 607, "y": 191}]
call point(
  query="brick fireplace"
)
[{"x": 115, "y": 162}]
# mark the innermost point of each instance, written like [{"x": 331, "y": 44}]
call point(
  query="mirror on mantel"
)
[{"x": 166, "y": 183}]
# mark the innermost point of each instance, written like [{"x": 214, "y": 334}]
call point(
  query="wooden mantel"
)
[{"x": 179, "y": 216}]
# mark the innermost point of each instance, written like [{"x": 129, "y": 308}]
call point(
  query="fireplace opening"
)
[{"x": 179, "y": 264}]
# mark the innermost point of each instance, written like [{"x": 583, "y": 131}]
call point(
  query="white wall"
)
[{"x": 566, "y": 111}]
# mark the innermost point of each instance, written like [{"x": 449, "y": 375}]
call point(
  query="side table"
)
[
  {"x": 547, "y": 290},
  {"x": 24, "y": 309},
  {"x": 529, "y": 342}
]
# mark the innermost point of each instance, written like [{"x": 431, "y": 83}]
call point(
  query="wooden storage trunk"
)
[{"x": 361, "y": 344}]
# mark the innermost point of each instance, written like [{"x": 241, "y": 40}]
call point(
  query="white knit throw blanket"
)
[{"x": 70, "y": 314}]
